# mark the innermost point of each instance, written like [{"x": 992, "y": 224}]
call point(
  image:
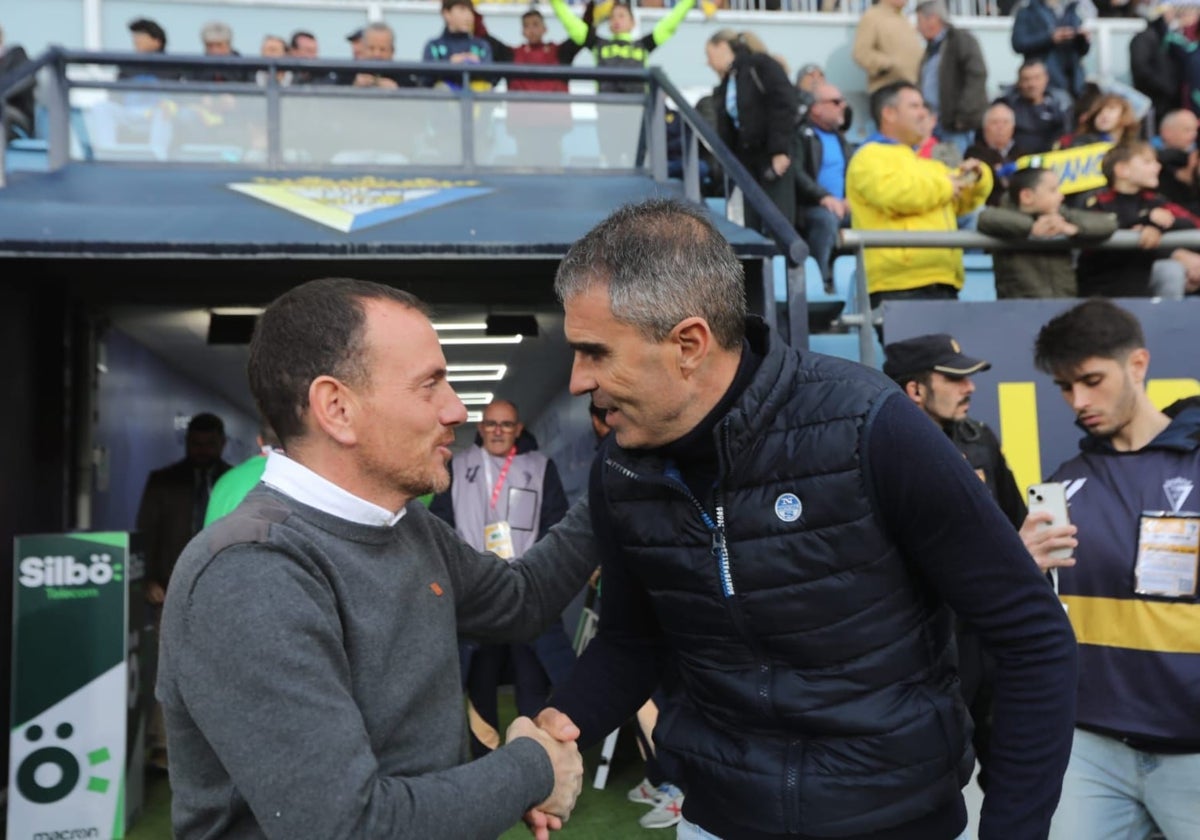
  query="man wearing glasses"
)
[
  {"x": 822, "y": 153},
  {"x": 504, "y": 496}
]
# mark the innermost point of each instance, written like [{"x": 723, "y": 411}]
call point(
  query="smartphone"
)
[{"x": 1051, "y": 497}]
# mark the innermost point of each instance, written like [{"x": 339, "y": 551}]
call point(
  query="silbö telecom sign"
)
[{"x": 77, "y": 727}]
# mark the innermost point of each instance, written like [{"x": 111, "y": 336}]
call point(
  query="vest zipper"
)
[{"x": 716, "y": 529}]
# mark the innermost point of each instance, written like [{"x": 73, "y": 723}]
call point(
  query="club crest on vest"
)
[{"x": 788, "y": 507}]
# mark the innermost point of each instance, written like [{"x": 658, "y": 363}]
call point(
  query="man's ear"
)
[
  {"x": 913, "y": 388},
  {"x": 334, "y": 408},
  {"x": 694, "y": 341},
  {"x": 1139, "y": 364}
]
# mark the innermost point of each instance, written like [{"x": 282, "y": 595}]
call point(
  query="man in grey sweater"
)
[{"x": 308, "y": 669}]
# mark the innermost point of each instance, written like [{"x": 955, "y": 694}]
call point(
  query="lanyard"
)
[{"x": 487, "y": 466}]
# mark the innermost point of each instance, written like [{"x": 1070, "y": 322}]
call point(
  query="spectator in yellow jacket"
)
[{"x": 889, "y": 188}]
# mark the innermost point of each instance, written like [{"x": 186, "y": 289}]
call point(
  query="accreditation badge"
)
[
  {"x": 1168, "y": 554},
  {"x": 497, "y": 538}
]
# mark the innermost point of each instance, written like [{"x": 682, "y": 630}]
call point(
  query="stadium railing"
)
[
  {"x": 447, "y": 129},
  {"x": 862, "y": 319}
]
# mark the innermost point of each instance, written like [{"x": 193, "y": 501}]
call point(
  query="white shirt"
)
[{"x": 298, "y": 482}]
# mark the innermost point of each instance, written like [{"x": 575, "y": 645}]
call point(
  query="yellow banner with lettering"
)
[{"x": 1078, "y": 168}]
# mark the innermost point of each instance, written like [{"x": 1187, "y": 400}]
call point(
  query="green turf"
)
[{"x": 599, "y": 815}]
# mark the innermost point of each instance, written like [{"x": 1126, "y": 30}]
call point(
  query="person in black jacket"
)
[
  {"x": 1155, "y": 71},
  {"x": 936, "y": 375},
  {"x": 1177, "y": 153},
  {"x": 822, "y": 154},
  {"x": 791, "y": 533},
  {"x": 756, "y": 115},
  {"x": 19, "y": 104},
  {"x": 1132, "y": 194}
]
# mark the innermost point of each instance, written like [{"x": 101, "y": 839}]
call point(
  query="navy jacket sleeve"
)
[
  {"x": 622, "y": 665},
  {"x": 948, "y": 527},
  {"x": 554, "y": 500}
]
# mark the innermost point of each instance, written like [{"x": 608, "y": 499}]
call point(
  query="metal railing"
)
[
  {"x": 857, "y": 241},
  {"x": 958, "y": 8},
  {"x": 651, "y": 156}
]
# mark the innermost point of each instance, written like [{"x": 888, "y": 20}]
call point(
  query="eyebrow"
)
[
  {"x": 1082, "y": 376},
  {"x": 590, "y": 347},
  {"x": 437, "y": 373}
]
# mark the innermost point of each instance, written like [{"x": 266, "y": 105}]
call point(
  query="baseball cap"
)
[
  {"x": 938, "y": 351},
  {"x": 356, "y": 35}
]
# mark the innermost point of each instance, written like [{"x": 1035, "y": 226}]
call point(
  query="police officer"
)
[{"x": 936, "y": 375}]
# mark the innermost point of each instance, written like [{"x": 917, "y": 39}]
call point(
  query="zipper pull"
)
[{"x": 718, "y": 545}]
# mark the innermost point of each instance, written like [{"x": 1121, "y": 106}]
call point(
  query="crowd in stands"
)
[
  {"x": 949, "y": 138},
  {"x": 942, "y": 152}
]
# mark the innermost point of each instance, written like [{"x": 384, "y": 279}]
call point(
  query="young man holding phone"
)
[{"x": 1131, "y": 596}]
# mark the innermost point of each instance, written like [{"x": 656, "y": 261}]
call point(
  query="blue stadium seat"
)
[
  {"x": 843, "y": 346},
  {"x": 844, "y": 271},
  {"x": 979, "y": 281},
  {"x": 812, "y": 282}
]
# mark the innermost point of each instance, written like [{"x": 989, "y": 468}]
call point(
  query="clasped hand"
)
[{"x": 557, "y": 736}]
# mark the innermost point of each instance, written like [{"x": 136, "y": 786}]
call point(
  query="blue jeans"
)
[
  {"x": 820, "y": 228},
  {"x": 690, "y": 831},
  {"x": 1114, "y": 792}
]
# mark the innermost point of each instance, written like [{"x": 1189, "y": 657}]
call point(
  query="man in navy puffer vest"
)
[{"x": 790, "y": 530}]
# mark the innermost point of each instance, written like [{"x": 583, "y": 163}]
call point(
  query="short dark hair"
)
[
  {"x": 1122, "y": 153},
  {"x": 298, "y": 34},
  {"x": 886, "y": 97},
  {"x": 151, "y": 28},
  {"x": 206, "y": 421},
  {"x": 532, "y": 13},
  {"x": 663, "y": 260},
  {"x": 315, "y": 329},
  {"x": 923, "y": 377},
  {"x": 267, "y": 433},
  {"x": 447, "y": 5},
  {"x": 1024, "y": 179},
  {"x": 1031, "y": 62},
  {"x": 1096, "y": 327}
]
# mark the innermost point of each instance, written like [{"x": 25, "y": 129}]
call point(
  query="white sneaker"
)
[
  {"x": 668, "y": 811},
  {"x": 644, "y": 794}
]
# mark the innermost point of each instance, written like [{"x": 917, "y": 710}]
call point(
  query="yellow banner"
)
[{"x": 1078, "y": 168}]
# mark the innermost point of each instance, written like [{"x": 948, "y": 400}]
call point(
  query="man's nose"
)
[{"x": 581, "y": 382}]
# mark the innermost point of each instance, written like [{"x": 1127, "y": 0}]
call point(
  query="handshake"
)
[{"x": 557, "y": 736}]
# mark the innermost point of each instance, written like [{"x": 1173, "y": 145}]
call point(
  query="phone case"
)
[{"x": 1051, "y": 497}]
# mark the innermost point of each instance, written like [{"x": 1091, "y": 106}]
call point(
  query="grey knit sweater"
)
[{"x": 309, "y": 677}]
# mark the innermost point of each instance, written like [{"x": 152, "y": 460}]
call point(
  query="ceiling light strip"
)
[
  {"x": 496, "y": 339},
  {"x": 476, "y": 397},
  {"x": 465, "y": 325}
]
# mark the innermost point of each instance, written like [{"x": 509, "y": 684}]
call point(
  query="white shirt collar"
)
[{"x": 293, "y": 479}]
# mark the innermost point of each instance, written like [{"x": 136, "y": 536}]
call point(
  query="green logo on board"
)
[{"x": 64, "y": 577}]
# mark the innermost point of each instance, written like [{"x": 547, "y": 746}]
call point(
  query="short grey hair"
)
[
  {"x": 998, "y": 107},
  {"x": 379, "y": 26},
  {"x": 934, "y": 8},
  {"x": 216, "y": 32},
  {"x": 662, "y": 260}
]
